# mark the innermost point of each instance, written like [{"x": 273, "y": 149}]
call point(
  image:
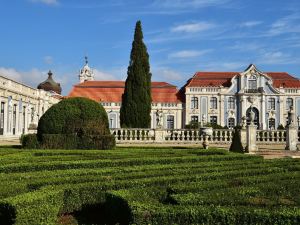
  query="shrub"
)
[
  {"x": 29, "y": 141},
  {"x": 78, "y": 123},
  {"x": 236, "y": 144}
]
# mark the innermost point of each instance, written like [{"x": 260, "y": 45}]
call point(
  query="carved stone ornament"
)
[{"x": 251, "y": 99}]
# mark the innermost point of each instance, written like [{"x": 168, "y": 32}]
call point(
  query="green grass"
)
[{"x": 147, "y": 186}]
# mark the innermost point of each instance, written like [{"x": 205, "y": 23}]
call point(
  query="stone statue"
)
[
  {"x": 158, "y": 118},
  {"x": 291, "y": 116},
  {"x": 251, "y": 116}
]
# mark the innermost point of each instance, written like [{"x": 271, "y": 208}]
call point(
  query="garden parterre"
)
[{"x": 148, "y": 186}]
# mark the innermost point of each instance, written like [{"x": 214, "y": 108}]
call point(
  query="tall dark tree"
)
[{"x": 136, "y": 100}]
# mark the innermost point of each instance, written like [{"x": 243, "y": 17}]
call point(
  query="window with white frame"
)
[
  {"x": 194, "y": 119},
  {"x": 289, "y": 103},
  {"x": 271, "y": 123},
  {"x": 231, "y": 122},
  {"x": 231, "y": 102},
  {"x": 194, "y": 103},
  {"x": 213, "y": 103},
  {"x": 271, "y": 104},
  {"x": 252, "y": 82},
  {"x": 170, "y": 122},
  {"x": 213, "y": 119}
]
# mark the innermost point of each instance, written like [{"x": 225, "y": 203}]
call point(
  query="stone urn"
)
[{"x": 206, "y": 132}]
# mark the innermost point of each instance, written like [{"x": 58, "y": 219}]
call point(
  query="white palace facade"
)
[
  {"x": 21, "y": 107},
  {"x": 223, "y": 98}
]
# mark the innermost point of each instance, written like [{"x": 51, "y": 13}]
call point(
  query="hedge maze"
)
[{"x": 147, "y": 186}]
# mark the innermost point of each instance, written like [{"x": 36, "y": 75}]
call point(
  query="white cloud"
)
[
  {"x": 188, "y": 53},
  {"x": 189, "y": 3},
  {"x": 285, "y": 25},
  {"x": 250, "y": 24},
  {"x": 277, "y": 57},
  {"x": 166, "y": 74},
  {"x": 224, "y": 66},
  {"x": 101, "y": 75},
  {"x": 193, "y": 27},
  {"x": 48, "y": 60},
  {"x": 47, "y": 2},
  {"x": 31, "y": 78}
]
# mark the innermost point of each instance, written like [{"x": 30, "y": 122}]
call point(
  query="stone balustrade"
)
[
  {"x": 133, "y": 135},
  {"x": 126, "y": 135},
  {"x": 271, "y": 136}
]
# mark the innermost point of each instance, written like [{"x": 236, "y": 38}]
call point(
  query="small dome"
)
[{"x": 50, "y": 84}]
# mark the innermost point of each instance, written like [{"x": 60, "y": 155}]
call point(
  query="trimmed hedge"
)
[
  {"x": 60, "y": 141},
  {"x": 29, "y": 141},
  {"x": 75, "y": 123}
]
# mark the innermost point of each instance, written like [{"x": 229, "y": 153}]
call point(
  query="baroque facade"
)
[
  {"x": 21, "y": 106},
  {"x": 223, "y": 98}
]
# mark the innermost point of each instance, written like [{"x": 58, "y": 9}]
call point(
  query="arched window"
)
[
  {"x": 252, "y": 83},
  {"x": 213, "y": 103},
  {"x": 231, "y": 122},
  {"x": 289, "y": 103},
  {"x": 194, "y": 103},
  {"x": 271, "y": 104},
  {"x": 170, "y": 122},
  {"x": 271, "y": 123},
  {"x": 112, "y": 117},
  {"x": 231, "y": 104}
]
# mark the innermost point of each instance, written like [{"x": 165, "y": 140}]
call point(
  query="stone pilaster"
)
[
  {"x": 291, "y": 138},
  {"x": 251, "y": 139}
]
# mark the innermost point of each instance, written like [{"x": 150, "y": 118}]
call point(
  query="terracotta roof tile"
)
[
  {"x": 216, "y": 79},
  {"x": 111, "y": 91}
]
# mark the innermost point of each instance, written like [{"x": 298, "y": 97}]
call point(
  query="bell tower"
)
[{"x": 86, "y": 73}]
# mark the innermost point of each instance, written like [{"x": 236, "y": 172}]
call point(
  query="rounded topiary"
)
[{"x": 79, "y": 119}]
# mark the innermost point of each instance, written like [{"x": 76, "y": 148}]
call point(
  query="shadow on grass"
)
[
  {"x": 7, "y": 214},
  {"x": 114, "y": 211}
]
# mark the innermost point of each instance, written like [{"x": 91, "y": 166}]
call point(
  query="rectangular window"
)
[
  {"x": 271, "y": 123},
  {"x": 289, "y": 103},
  {"x": 194, "y": 103},
  {"x": 271, "y": 104},
  {"x": 2, "y": 118},
  {"x": 194, "y": 119},
  {"x": 213, "y": 103},
  {"x": 170, "y": 122},
  {"x": 231, "y": 122},
  {"x": 231, "y": 102},
  {"x": 213, "y": 120}
]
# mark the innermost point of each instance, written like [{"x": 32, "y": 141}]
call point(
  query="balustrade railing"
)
[
  {"x": 132, "y": 134},
  {"x": 176, "y": 135},
  {"x": 271, "y": 136}
]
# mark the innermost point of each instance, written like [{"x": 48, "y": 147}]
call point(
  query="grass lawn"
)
[{"x": 147, "y": 186}]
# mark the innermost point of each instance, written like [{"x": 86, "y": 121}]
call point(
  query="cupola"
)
[{"x": 50, "y": 84}]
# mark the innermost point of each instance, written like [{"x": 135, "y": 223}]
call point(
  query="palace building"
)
[
  {"x": 21, "y": 106},
  {"x": 223, "y": 98}
]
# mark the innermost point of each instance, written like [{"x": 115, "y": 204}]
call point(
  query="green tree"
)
[{"x": 136, "y": 100}]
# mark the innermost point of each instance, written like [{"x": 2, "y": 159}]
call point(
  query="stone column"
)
[
  {"x": 221, "y": 111},
  {"x": 263, "y": 112},
  {"x": 159, "y": 135},
  {"x": 291, "y": 132},
  {"x": 251, "y": 135}
]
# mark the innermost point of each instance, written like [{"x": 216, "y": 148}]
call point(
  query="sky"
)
[{"x": 182, "y": 37}]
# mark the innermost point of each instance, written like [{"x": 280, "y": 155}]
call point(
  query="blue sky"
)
[{"x": 182, "y": 37}]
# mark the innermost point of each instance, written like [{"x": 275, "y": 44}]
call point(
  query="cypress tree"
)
[{"x": 136, "y": 100}]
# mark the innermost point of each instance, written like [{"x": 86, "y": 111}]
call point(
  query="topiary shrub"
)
[
  {"x": 29, "y": 141},
  {"x": 236, "y": 144},
  {"x": 75, "y": 123}
]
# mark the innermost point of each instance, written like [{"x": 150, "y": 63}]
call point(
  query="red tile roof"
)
[
  {"x": 216, "y": 79},
  {"x": 111, "y": 91}
]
